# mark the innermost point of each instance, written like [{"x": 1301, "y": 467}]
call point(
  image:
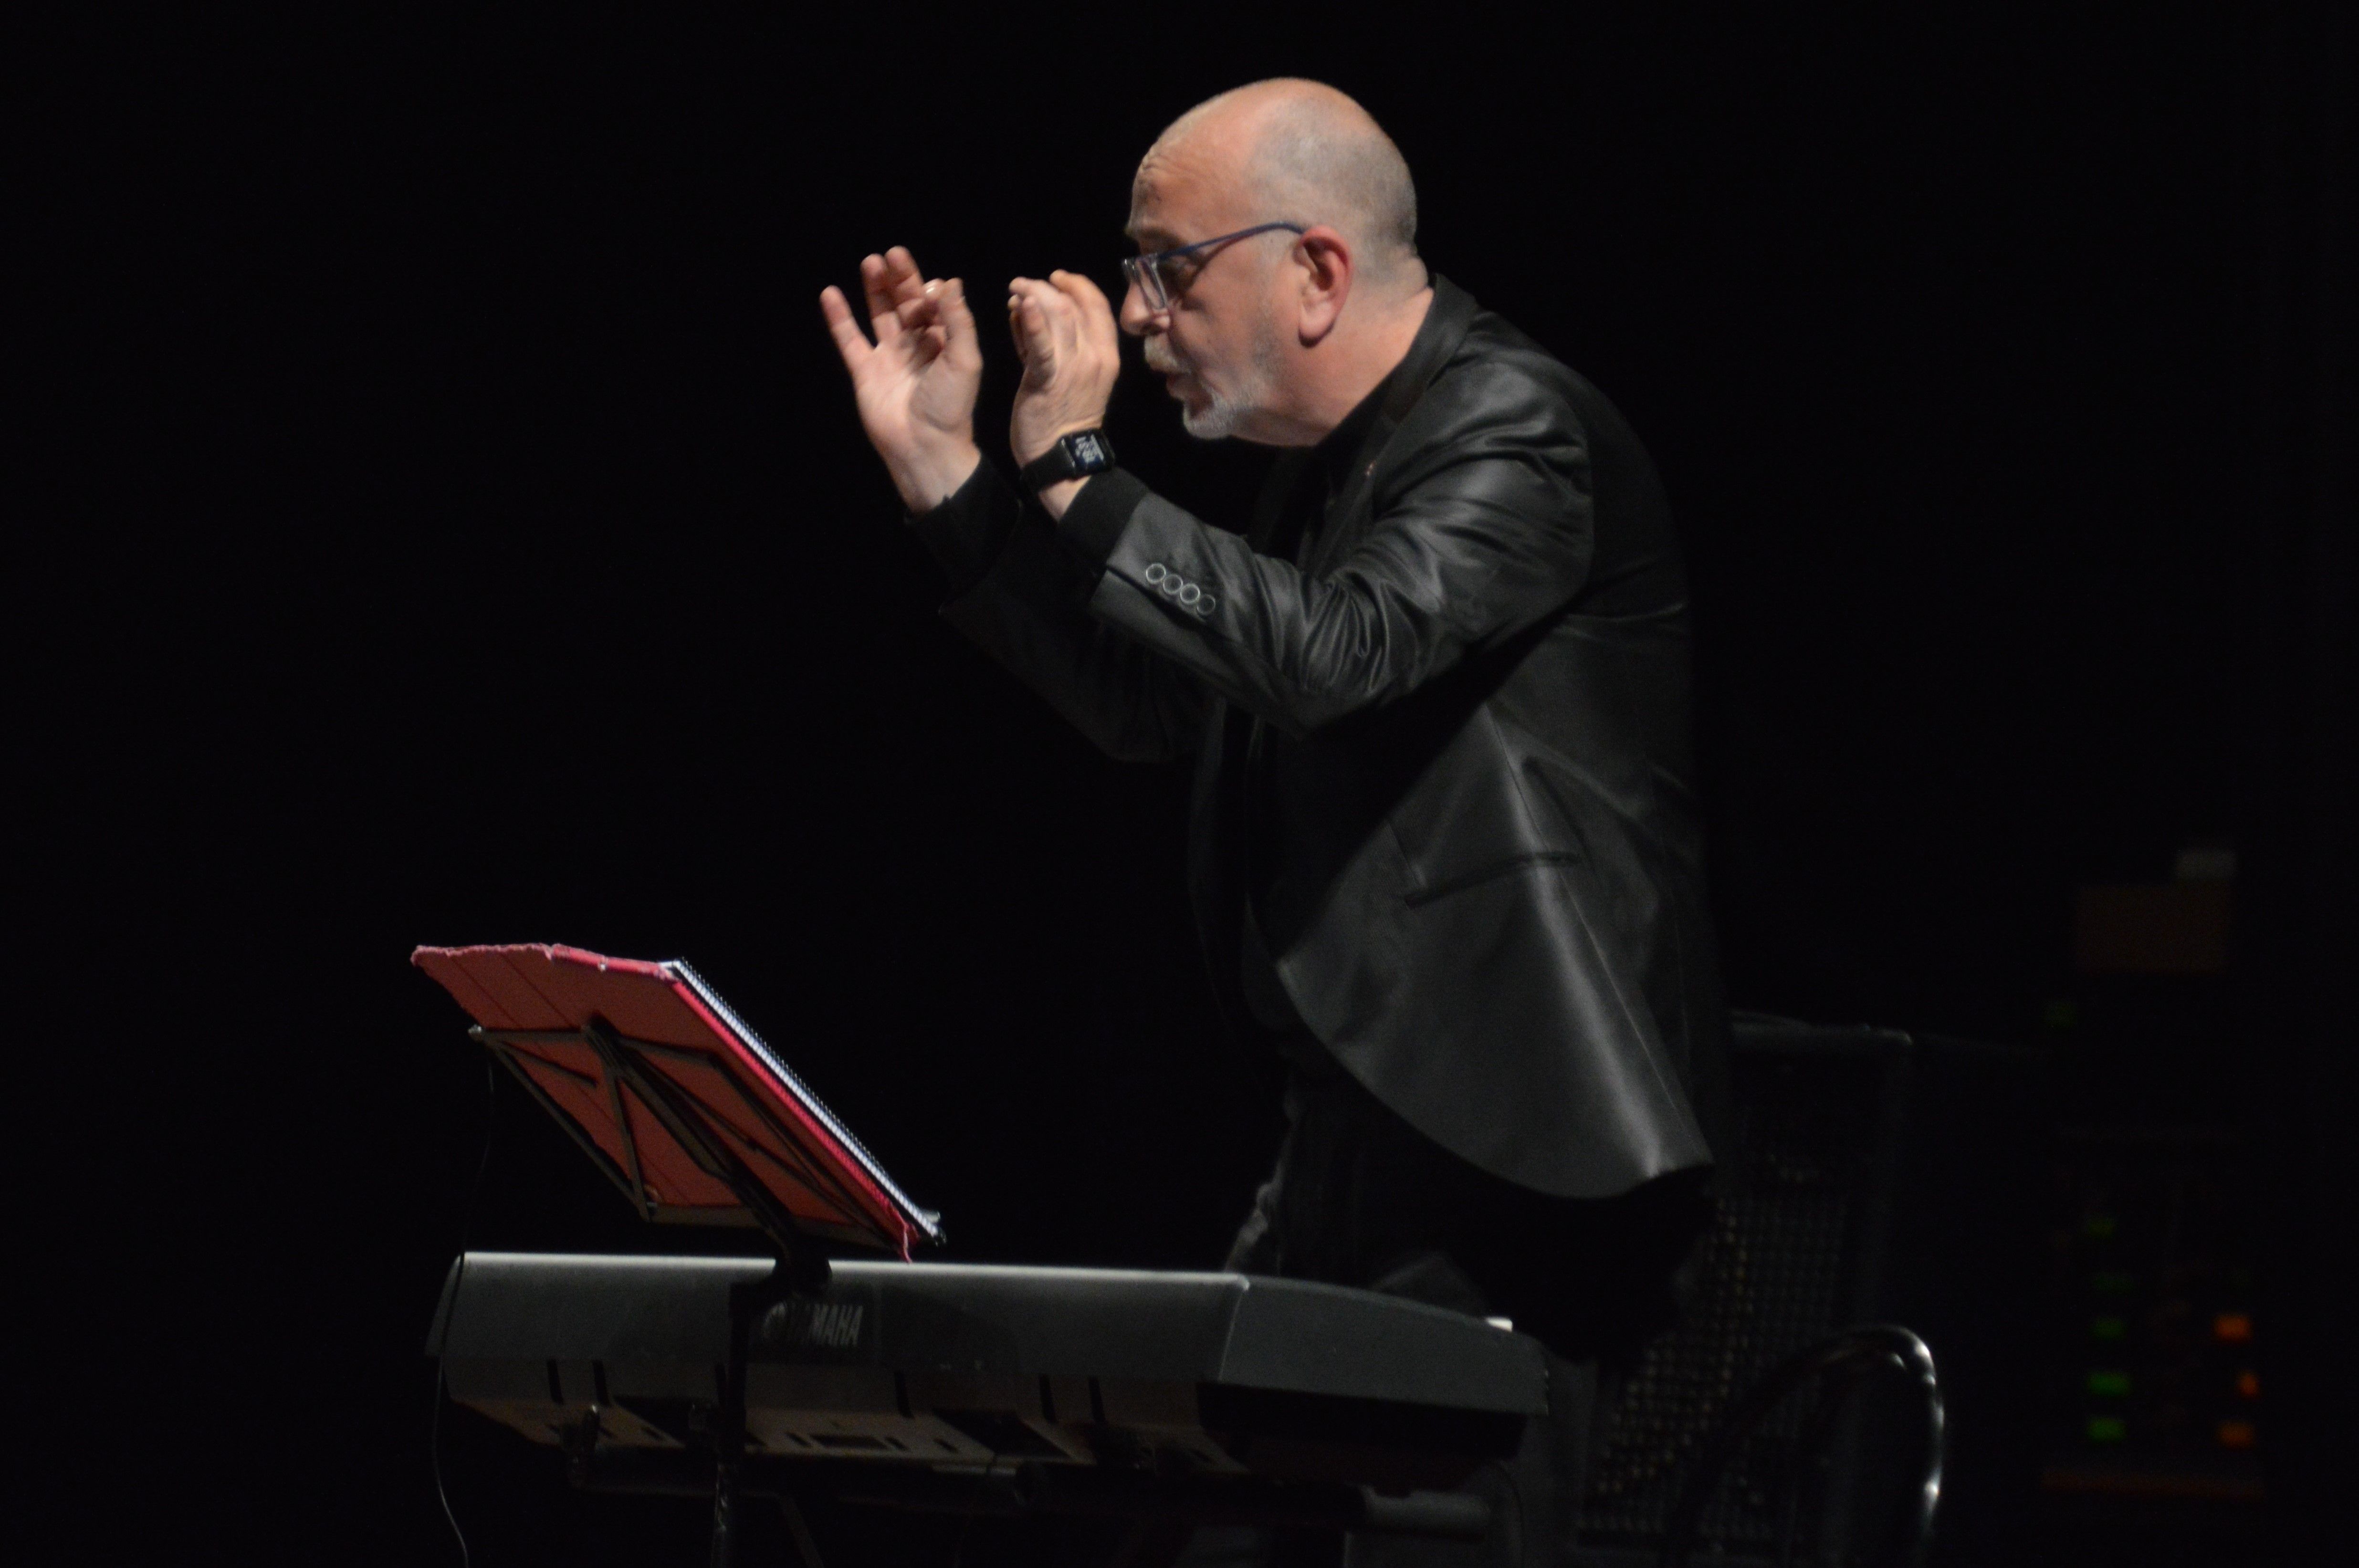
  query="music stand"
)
[{"x": 692, "y": 1117}]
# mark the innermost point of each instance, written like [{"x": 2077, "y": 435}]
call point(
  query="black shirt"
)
[{"x": 1294, "y": 536}]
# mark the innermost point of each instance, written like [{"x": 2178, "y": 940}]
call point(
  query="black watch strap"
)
[{"x": 1074, "y": 456}]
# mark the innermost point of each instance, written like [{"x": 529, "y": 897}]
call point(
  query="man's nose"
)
[{"x": 1137, "y": 319}]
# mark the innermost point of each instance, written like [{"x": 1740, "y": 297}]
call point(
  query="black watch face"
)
[{"x": 1087, "y": 452}]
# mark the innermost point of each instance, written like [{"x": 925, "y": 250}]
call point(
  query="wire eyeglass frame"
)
[{"x": 1144, "y": 273}]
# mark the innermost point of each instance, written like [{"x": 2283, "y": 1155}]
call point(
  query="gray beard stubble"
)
[{"x": 1226, "y": 413}]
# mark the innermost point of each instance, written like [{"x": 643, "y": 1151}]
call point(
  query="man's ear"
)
[{"x": 1327, "y": 271}]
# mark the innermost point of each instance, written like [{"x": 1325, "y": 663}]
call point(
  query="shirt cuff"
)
[
  {"x": 966, "y": 534},
  {"x": 1098, "y": 513}
]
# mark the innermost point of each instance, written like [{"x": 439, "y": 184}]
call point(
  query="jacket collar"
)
[
  {"x": 1445, "y": 326},
  {"x": 1446, "y": 323}
]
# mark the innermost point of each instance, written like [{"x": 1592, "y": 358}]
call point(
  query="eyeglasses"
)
[{"x": 1159, "y": 275}]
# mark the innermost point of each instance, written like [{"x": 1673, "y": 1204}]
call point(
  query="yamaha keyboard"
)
[{"x": 1193, "y": 1397}]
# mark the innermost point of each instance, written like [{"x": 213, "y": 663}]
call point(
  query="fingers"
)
[
  {"x": 1071, "y": 358},
  {"x": 1097, "y": 318},
  {"x": 850, "y": 341},
  {"x": 877, "y": 282},
  {"x": 926, "y": 315},
  {"x": 903, "y": 303},
  {"x": 1046, "y": 324},
  {"x": 1028, "y": 324},
  {"x": 1096, "y": 335},
  {"x": 901, "y": 275},
  {"x": 1063, "y": 326},
  {"x": 1055, "y": 323},
  {"x": 1035, "y": 341},
  {"x": 957, "y": 321},
  {"x": 921, "y": 310}
]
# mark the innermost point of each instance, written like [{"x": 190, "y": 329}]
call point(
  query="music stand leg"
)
[{"x": 802, "y": 1273}]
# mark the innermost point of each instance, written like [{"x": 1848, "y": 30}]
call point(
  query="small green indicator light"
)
[
  {"x": 2113, "y": 1385},
  {"x": 2098, "y": 1226},
  {"x": 2110, "y": 1281},
  {"x": 2108, "y": 1328},
  {"x": 2107, "y": 1428}
]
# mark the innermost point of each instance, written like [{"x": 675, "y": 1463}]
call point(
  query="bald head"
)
[
  {"x": 1276, "y": 337},
  {"x": 1303, "y": 152}
]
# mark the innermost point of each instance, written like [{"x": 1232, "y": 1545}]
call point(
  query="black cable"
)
[
  {"x": 1852, "y": 1352},
  {"x": 451, "y": 1310}
]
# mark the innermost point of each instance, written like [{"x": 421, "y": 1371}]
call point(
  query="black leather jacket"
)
[{"x": 1487, "y": 897}]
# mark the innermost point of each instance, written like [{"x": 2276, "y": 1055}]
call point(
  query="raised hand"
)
[
  {"x": 1065, "y": 329},
  {"x": 916, "y": 384}
]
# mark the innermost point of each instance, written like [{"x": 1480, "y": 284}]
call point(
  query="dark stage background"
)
[{"x": 476, "y": 544}]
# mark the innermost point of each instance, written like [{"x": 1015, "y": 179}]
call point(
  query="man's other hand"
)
[
  {"x": 1065, "y": 329},
  {"x": 915, "y": 385}
]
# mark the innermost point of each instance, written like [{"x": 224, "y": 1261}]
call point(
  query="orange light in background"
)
[
  {"x": 2237, "y": 1434},
  {"x": 2232, "y": 1328},
  {"x": 2248, "y": 1384}
]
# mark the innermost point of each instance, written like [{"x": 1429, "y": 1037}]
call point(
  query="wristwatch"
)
[{"x": 1074, "y": 456}]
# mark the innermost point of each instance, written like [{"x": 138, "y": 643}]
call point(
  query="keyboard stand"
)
[
  {"x": 749, "y": 1301},
  {"x": 801, "y": 1270}
]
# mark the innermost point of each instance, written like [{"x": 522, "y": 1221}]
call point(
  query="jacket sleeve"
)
[
  {"x": 1024, "y": 597},
  {"x": 1486, "y": 531}
]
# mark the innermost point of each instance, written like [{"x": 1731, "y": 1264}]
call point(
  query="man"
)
[{"x": 1443, "y": 852}]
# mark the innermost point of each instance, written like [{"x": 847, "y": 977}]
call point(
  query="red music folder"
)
[{"x": 673, "y": 1097}]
